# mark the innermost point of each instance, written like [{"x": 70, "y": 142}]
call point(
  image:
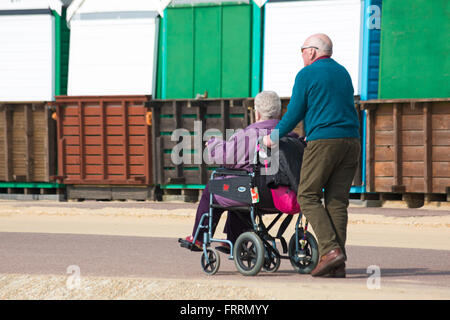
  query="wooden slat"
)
[
  {"x": 440, "y": 153},
  {"x": 96, "y": 120},
  {"x": 384, "y": 153},
  {"x": 440, "y": 184},
  {"x": 81, "y": 140},
  {"x": 28, "y": 123},
  {"x": 177, "y": 123},
  {"x": 60, "y": 114},
  {"x": 383, "y": 184},
  {"x": 69, "y": 120},
  {"x": 245, "y": 104},
  {"x": 428, "y": 144},
  {"x": 384, "y": 122},
  {"x": 441, "y": 121},
  {"x": 413, "y": 169},
  {"x": 441, "y": 169},
  {"x": 199, "y": 155},
  {"x": 441, "y": 138},
  {"x": 70, "y": 110},
  {"x": 413, "y": 185},
  {"x": 7, "y": 127},
  {"x": 158, "y": 160},
  {"x": 18, "y": 143},
  {"x": 148, "y": 156},
  {"x": 412, "y": 138},
  {"x": 384, "y": 169},
  {"x": 370, "y": 147},
  {"x": 225, "y": 116},
  {"x": 126, "y": 169},
  {"x": 412, "y": 122},
  {"x": 103, "y": 134},
  {"x": 397, "y": 126},
  {"x": 384, "y": 138},
  {"x": 50, "y": 132}
]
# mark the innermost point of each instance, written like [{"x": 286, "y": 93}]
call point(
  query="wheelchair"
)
[{"x": 256, "y": 248}]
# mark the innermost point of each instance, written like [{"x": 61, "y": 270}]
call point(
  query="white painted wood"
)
[
  {"x": 111, "y": 55},
  {"x": 288, "y": 24},
  {"x": 27, "y": 57},
  {"x": 33, "y": 4},
  {"x": 90, "y": 6}
]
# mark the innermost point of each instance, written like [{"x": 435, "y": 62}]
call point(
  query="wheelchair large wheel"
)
[
  {"x": 304, "y": 261},
  {"x": 211, "y": 267},
  {"x": 249, "y": 254}
]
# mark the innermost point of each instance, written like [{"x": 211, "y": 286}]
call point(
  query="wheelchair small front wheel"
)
[
  {"x": 306, "y": 258},
  {"x": 211, "y": 265},
  {"x": 249, "y": 254}
]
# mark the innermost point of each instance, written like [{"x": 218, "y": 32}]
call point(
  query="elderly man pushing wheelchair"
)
[{"x": 323, "y": 98}]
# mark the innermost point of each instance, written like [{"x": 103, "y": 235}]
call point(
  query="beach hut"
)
[
  {"x": 209, "y": 49},
  {"x": 289, "y": 23},
  {"x": 408, "y": 126},
  {"x": 34, "y": 50},
  {"x": 113, "y": 46},
  {"x": 415, "y": 47}
]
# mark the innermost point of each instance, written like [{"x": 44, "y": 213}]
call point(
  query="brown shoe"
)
[
  {"x": 337, "y": 272},
  {"x": 328, "y": 262}
]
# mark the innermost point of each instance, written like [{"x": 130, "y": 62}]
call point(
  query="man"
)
[{"x": 323, "y": 97}]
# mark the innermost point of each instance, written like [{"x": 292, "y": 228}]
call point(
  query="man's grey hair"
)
[{"x": 268, "y": 104}]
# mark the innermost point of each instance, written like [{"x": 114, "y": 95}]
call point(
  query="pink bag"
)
[{"x": 285, "y": 200}]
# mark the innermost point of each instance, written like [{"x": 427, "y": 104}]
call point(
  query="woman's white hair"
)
[{"x": 268, "y": 104}]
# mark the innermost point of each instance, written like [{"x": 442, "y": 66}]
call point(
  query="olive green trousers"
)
[{"x": 328, "y": 169}]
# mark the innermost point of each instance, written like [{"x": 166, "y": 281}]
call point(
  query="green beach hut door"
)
[{"x": 206, "y": 50}]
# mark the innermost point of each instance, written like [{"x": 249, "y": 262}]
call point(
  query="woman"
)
[{"x": 236, "y": 153}]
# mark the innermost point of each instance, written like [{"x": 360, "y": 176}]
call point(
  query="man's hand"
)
[{"x": 267, "y": 142}]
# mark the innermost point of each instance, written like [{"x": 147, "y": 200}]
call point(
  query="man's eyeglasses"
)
[{"x": 303, "y": 48}]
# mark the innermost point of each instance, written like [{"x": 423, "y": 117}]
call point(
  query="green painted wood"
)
[
  {"x": 159, "y": 72},
  {"x": 236, "y": 51},
  {"x": 62, "y": 43},
  {"x": 207, "y": 48},
  {"x": 257, "y": 25},
  {"x": 414, "y": 51},
  {"x": 39, "y": 185},
  {"x": 207, "y": 51},
  {"x": 178, "y": 79},
  {"x": 183, "y": 186}
]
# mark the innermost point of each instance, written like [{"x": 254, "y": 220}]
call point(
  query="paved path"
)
[
  {"x": 124, "y": 256},
  {"x": 167, "y": 206}
]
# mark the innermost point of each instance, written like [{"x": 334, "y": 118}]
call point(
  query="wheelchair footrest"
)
[{"x": 188, "y": 245}]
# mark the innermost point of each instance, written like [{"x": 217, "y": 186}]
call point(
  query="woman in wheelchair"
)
[{"x": 239, "y": 188}]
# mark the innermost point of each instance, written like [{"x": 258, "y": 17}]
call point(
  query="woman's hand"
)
[{"x": 267, "y": 142}]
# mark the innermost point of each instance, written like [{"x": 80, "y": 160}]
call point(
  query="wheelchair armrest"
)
[{"x": 227, "y": 171}]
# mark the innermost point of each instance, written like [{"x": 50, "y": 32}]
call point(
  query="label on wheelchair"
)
[{"x": 255, "y": 194}]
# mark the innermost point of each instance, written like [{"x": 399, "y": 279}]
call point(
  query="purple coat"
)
[{"x": 238, "y": 151}]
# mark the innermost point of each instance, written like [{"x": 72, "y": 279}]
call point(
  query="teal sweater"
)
[{"x": 323, "y": 97}]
